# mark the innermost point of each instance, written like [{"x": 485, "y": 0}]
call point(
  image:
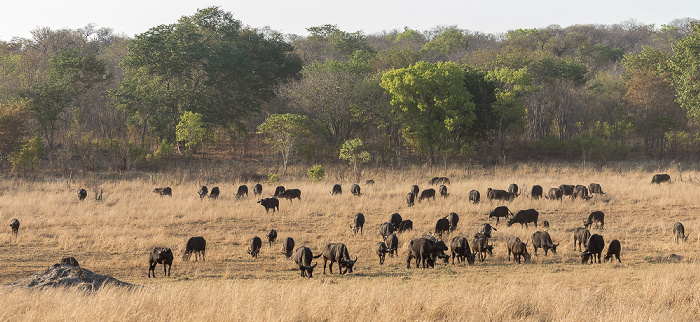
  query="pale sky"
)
[{"x": 131, "y": 17}]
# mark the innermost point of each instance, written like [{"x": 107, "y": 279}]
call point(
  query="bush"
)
[
  {"x": 26, "y": 159},
  {"x": 316, "y": 173},
  {"x": 593, "y": 148},
  {"x": 273, "y": 178}
]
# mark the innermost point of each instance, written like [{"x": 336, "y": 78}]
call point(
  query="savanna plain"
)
[{"x": 113, "y": 237}]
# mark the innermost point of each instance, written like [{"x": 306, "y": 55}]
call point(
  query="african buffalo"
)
[
  {"x": 257, "y": 189},
  {"x": 678, "y": 232},
  {"x": 14, "y": 224},
  {"x": 415, "y": 189},
  {"x": 492, "y": 194},
  {"x": 581, "y": 192},
  {"x": 359, "y": 222},
  {"x": 555, "y": 193},
  {"x": 288, "y": 247},
  {"x": 518, "y": 249},
  {"x": 82, "y": 194},
  {"x": 598, "y": 217},
  {"x": 270, "y": 203},
  {"x": 427, "y": 194},
  {"x": 442, "y": 226},
  {"x": 163, "y": 191},
  {"x": 381, "y": 251},
  {"x": 214, "y": 193},
  {"x": 242, "y": 190},
  {"x": 443, "y": 191},
  {"x": 460, "y": 249},
  {"x": 290, "y": 194},
  {"x": 594, "y": 249},
  {"x": 659, "y": 178},
  {"x": 337, "y": 252},
  {"x": 196, "y": 245},
  {"x": 386, "y": 229},
  {"x": 536, "y": 192},
  {"x": 355, "y": 190},
  {"x": 581, "y": 236},
  {"x": 567, "y": 189},
  {"x": 203, "y": 192},
  {"x": 369, "y": 182},
  {"x": 392, "y": 244},
  {"x": 541, "y": 239},
  {"x": 337, "y": 190},
  {"x": 395, "y": 220},
  {"x": 453, "y": 218},
  {"x": 410, "y": 199},
  {"x": 279, "y": 191},
  {"x": 474, "y": 196},
  {"x": 405, "y": 225},
  {"x": 303, "y": 258},
  {"x": 613, "y": 249},
  {"x": 513, "y": 188},
  {"x": 486, "y": 229},
  {"x": 595, "y": 188},
  {"x": 255, "y": 245},
  {"x": 421, "y": 249},
  {"x": 439, "y": 180},
  {"x": 271, "y": 236},
  {"x": 160, "y": 255},
  {"x": 498, "y": 212},
  {"x": 524, "y": 217},
  {"x": 480, "y": 246}
]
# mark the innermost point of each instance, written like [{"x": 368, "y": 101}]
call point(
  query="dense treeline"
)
[{"x": 93, "y": 99}]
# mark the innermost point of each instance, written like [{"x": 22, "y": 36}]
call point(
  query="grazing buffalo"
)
[
  {"x": 524, "y": 217},
  {"x": 395, "y": 220},
  {"x": 163, "y": 191},
  {"x": 303, "y": 257},
  {"x": 460, "y": 249},
  {"x": 486, "y": 229},
  {"x": 381, "y": 251},
  {"x": 359, "y": 222},
  {"x": 257, "y": 189},
  {"x": 598, "y": 217},
  {"x": 270, "y": 203},
  {"x": 82, "y": 194},
  {"x": 386, "y": 229},
  {"x": 422, "y": 249},
  {"x": 337, "y": 252},
  {"x": 567, "y": 189},
  {"x": 196, "y": 245},
  {"x": 337, "y": 190},
  {"x": 442, "y": 226},
  {"x": 536, "y": 192},
  {"x": 369, "y": 182},
  {"x": 581, "y": 192},
  {"x": 203, "y": 192},
  {"x": 410, "y": 199},
  {"x": 541, "y": 239},
  {"x": 439, "y": 180},
  {"x": 405, "y": 225},
  {"x": 392, "y": 244},
  {"x": 14, "y": 224},
  {"x": 214, "y": 193},
  {"x": 513, "y": 188},
  {"x": 427, "y": 194},
  {"x": 355, "y": 190},
  {"x": 255, "y": 245},
  {"x": 453, "y": 218},
  {"x": 613, "y": 249},
  {"x": 443, "y": 191},
  {"x": 279, "y": 191},
  {"x": 500, "y": 212},
  {"x": 288, "y": 247},
  {"x": 518, "y": 249},
  {"x": 555, "y": 193},
  {"x": 581, "y": 236},
  {"x": 659, "y": 178},
  {"x": 290, "y": 194},
  {"x": 545, "y": 224},
  {"x": 480, "y": 246},
  {"x": 474, "y": 196},
  {"x": 492, "y": 194},
  {"x": 415, "y": 189},
  {"x": 595, "y": 188},
  {"x": 594, "y": 248},
  {"x": 271, "y": 236},
  {"x": 678, "y": 232},
  {"x": 242, "y": 190},
  {"x": 160, "y": 255}
]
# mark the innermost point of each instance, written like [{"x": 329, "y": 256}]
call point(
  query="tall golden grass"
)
[{"x": 113, "y": 237}]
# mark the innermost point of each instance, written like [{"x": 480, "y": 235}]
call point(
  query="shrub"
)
[{"x": 316, "y": 173}]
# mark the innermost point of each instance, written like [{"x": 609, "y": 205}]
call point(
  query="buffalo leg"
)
[{"x": 324, "y": 265}]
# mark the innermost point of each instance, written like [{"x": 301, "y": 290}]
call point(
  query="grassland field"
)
[{"x": 113, "y": 237}]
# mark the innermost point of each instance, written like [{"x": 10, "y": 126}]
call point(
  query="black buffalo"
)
[
  {"x": 355, "y": 190},
  {"x": 443, "y": 191},
  {"x": 595, "y": 188},
  {"x": 290, "y": 194},
  {"x": 337, "y": 190},
  {"x": 369, "y": 182},
  {"x": 270, "y": 203},
  {"x": 581, "y": 192},
  {"x": 453, "y": 218},
  {"x": 524, "y": 217},
  {"x": 659, "y": 178},
  {"x": 567, "y": 189},
  {"x": 386, "y": 229},
  {"x": 415, "y": 189},
  {"x": 597, "y": 217},
  {"x": 536, "y": 192},
  {"x": 359, "y": 223},
  {"x": 196, "y": 245},
  {"x": 427, "y": 194},
  {"x": 160, "y": 255},
  {"x": 492, "y": 194},
  {"x": 594, "y": 248},
  {"x": 613, "y": 249},
  {"x": 439, "y": 180},
  {"x": 303, "y": 257},
  {"x": 288, "y": 246},
  {"x": 461, "y": 250},
  {"x": 163, "y": 191},
  {"x": 678, "y": 232},
  {"x": 257, "y": 189},
  {"x": 279, "y": 191},
  {"x": 255, "y": 245},
  {"x": 513, "y": 188},
  {"x": 242, "y": 190},
  {"x": 541, "y": 239},
  {"x": 555, "y": 193},
  {"x": 581, "y": 236},
  {"x": 442, "y": 226},
  {"x": 410, "y": 199},
  {"x": 395, "y": 220},
  {"x": 337, "y": 252},
  {"x": 500, "y": 212},
  {"x": 271, "y": 236},
  {"x": 518, "y": 249},
  {"x": 480, "y": 246},
  {"x": 392, "y": 244},
  {"x": 474, "y": 196},
  {"x": 381, "y": 251},
  {"x": 14, "y": 225},
  {"x": 214, "y": 193},
  {"x": 82, "y": 194},
  {"x": 203, "y": 192},
  {"x": 422, "y": 249},
  {"x": 405, "y": 225},
  {"x": 486, "y": 229}
]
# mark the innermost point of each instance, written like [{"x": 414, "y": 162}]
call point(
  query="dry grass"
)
[{"x": 112, "y": 237}]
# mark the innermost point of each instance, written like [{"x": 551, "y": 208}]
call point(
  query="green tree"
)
[
  {"x": 355, "y": 153},
  {"x": 433, "y": 103},
  {"x": 509, "y": 107},
  {"x": 684, "y": 67},
  {"x": 283, "y": 131},
  {"x": 14, "y": 126},
  {"x": 26, "y": 159},
  {"x": 191, "y": 131}
]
